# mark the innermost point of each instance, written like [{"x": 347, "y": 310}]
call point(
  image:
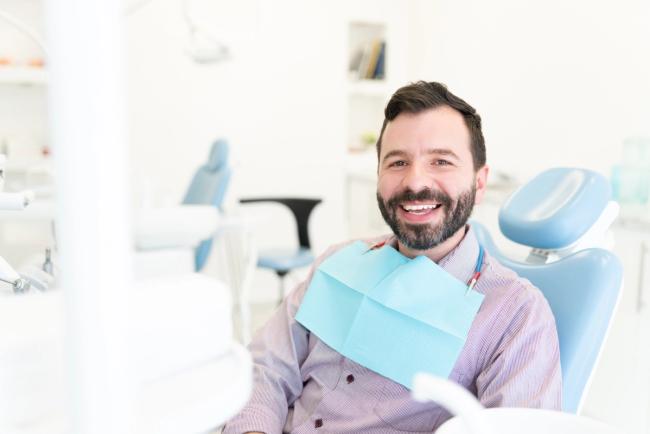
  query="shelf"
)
[
  {"x": 22, "y": 75},
  {"x": 367, "y": 51}
]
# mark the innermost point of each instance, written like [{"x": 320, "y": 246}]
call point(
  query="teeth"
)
[{"x": 419, "y": 207}]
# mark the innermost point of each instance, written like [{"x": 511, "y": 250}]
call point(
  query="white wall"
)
[
  {"x": 276, "y": 101},
  {"x": 557, "y": 82}
]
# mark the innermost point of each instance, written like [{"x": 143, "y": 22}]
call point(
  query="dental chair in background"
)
[
  {"x": 208, "y": 187},
  {"x": 199, "y": 236},
  {"x": 178, "y": 239},
  {"x": 282, "y": 261},
  {"x": 564, "y": 215}
]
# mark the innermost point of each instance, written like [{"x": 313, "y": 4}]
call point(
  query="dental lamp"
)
[
  {"x": 23, "y": 28},
  {"x": 202, "y": 47}
]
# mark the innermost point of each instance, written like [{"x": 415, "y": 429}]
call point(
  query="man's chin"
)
[{"x": 410, "y": 239}]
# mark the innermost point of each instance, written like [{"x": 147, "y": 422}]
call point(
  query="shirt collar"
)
[{"x": 461, "y": 261}]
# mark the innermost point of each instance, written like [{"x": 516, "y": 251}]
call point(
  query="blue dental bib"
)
[{"x": 394, "y": 315}]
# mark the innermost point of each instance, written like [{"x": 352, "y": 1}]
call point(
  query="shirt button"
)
[
  {"x": 349, "y": 378},
  {"x": 318, "y": 423}
]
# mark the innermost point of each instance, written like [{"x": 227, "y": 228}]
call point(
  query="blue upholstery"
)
[
  {"x": 208, "y": 187},
  {"x": 279, "y": 260},
  {"x": 555, "y": 208},
  {"x": 582, "y": 290}
]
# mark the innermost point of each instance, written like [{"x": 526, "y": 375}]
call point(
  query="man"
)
[{"x": 431, "y": 171}]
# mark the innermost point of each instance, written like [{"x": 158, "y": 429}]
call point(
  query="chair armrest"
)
[{"x": 168, "y": 227}]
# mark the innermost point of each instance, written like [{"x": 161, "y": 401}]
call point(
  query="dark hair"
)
[{"x": 421, "y": 96}]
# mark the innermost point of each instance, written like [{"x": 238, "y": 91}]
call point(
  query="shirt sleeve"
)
[
  {"x": 278, "y": 349},
  {"x": 524, "y": 370}
]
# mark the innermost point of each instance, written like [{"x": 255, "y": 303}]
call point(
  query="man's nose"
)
[{"x": 417, "y": 178}]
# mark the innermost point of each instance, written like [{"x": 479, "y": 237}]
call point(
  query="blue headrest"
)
[
  {"x": 555, "y": 209},
  {"x": 218, "y": 155}
]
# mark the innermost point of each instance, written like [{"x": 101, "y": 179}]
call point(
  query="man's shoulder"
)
[{"x": 512, "y": 295}]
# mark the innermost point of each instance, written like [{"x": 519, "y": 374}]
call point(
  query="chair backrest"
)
[
  {"x": 301, "y": 208},
  {"x": 210, "y": 182},
  {"x": 208, "y": 187},
  {"x": 582, "y": 288}
]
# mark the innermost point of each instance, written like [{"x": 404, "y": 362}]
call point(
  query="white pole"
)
[{"x": 87, "y": 122}]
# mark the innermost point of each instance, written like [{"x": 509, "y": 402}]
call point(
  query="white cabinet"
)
[{"x": 620, "y": 390}]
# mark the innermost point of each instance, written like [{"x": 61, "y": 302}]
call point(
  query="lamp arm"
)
[
  {"x": 133, "y": 7},
  {"x": 23, "y": 28}
]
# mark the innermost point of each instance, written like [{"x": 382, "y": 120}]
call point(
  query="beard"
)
[{"x": 426, "y": 236}]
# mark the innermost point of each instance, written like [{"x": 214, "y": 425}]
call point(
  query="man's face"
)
[{"x": 427, "y": 184}]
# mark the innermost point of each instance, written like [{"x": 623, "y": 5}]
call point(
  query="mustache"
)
[{"x": 422, "y": 195}]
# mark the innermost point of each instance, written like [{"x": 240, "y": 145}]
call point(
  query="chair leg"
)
[
  {"x": 245, "y": 318},
  {"x": 280, "y": 291},
  {"x": 281, "y": 276}
]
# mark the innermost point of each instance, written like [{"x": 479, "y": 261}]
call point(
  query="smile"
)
[{"x": 420, "y": 208}]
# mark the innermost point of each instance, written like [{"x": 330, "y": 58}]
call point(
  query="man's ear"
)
[{"x": 481, "y": 183}]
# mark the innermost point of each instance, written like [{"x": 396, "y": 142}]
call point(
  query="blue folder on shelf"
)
[{"x": 394, "y": 315}]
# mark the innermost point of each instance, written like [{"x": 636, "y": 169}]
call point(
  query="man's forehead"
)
[{"x": 438, "y": 128}]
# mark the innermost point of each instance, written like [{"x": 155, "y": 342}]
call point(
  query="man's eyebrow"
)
[
  {"x": 438, "y": 151},
  {"x": 394, "y": 153},
  {"x": 443, "y": 151}
]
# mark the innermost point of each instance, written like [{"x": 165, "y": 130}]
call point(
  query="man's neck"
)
[{"x": 438, "y": 252}]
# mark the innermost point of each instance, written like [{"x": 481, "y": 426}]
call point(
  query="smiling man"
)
[{"x": 432, "y": 171}]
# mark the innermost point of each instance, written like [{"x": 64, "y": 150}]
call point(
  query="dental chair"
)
[
  {"x": 564, "y": 214},
  {"x": 282, "y": 261},
  {"x": 208, "y": 187},
  {"x": 178, "y": 239}
]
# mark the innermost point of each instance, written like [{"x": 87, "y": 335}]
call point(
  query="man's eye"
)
[
  {"x": 398, "y": 163},
  {"x": 441, "y": 163}
]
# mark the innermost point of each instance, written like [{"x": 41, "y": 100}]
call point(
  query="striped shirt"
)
[{"x": 511, "y": 359}]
